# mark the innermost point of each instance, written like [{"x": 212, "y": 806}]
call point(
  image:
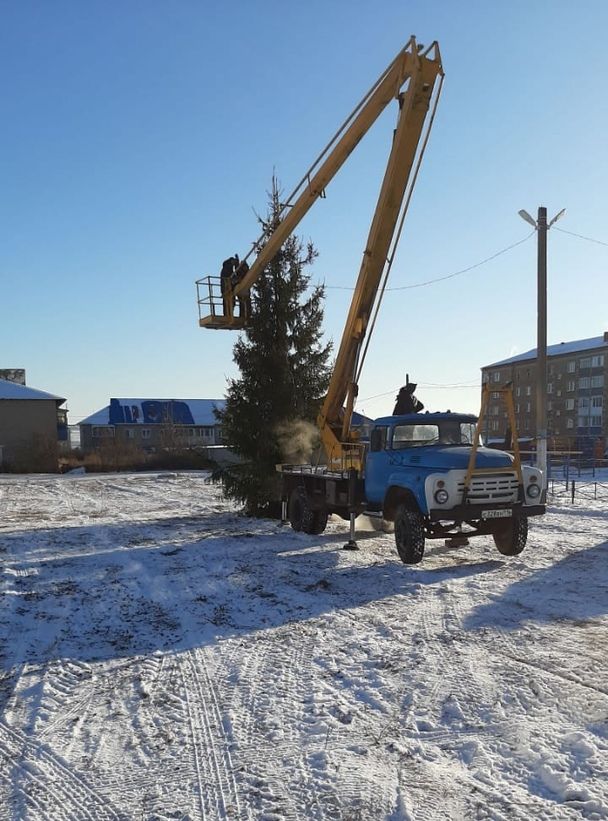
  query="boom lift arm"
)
[{"x": 420, "y": 70}]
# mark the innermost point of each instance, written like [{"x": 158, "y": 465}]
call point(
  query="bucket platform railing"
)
[{"x": 216, "y": 310}]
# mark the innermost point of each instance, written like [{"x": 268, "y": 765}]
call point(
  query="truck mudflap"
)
[{"x": 467, "y": 513}]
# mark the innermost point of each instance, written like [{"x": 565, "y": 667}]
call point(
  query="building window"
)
[
  {"x": 583, "y": 421},
  {"x": 208, "y": 433},
  {"x": 517, "y": 408},
  {"x": 518, "y": 391},
  {"x": 585, "y": 363},
  {"x": 596, "y": 421},
  {"x": 584, "y": 382},
  {"x": 549, "y": 406},
  {"x": 597, "y": 381},
  {"x": 146, "y": 433},
  {"x": 528, "y": 390},
  {"x": 496, "y": 376},
  {"x": 550, "y": 387},
  {"x": 571, "y": 385},
  {"x": 597, "y": 361},
  {"x": 571, "y": 367},
  {"x": 527, "y": 407},
  {"x": 495, "y": 395},
  {"x": 494, "y": 424},
  {"x": 526, "y": 424},
  {"x": 597, "y": 401},
  {"x": 569, "y": 404},
  {"x": 570, "y": 423},
  {"x": 130, "y": 433},
  {"x": 494, "y": 410}
]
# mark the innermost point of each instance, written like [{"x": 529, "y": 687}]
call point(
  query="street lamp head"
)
[
  {"x": 557, "y": 216},
  {"x": 525, "y": 216}
]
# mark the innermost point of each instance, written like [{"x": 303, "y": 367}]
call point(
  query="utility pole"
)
[
  {"x": 541, "y": 353},
  {"x": 541, "y": 226}
]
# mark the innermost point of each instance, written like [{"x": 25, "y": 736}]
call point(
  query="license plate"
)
[{"x": 496, "y": 514}]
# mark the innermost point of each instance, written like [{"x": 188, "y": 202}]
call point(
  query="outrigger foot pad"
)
[{"x": 350, "y": 545}]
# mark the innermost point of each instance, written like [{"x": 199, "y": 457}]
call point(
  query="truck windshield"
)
[{"x": 448, "y": 432}]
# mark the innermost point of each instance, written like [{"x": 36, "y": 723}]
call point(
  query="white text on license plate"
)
[{"x": 496, "y": 514}]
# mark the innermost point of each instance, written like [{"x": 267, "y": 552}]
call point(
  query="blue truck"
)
[{"x": 414, "y": 475}]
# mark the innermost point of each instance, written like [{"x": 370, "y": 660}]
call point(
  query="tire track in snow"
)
[
  {"x": 490, "y": 680},
  {"x": 216, "y": 785},
  {"x": 290, "y": 747},
  {"x": 47, "y": 783}
]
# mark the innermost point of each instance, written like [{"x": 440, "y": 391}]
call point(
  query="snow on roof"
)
[
  {"x": 100, "y": 417},
  {"x": 155, "y": 411},
  {"x": 562, "y": 349},
  {"x": 12, "y": 390}
]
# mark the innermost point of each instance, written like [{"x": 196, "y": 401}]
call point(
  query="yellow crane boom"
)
[{"x": 413, "y": 78}]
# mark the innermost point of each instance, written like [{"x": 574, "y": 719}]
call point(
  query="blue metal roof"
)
[{"x": 156, "y": 411}]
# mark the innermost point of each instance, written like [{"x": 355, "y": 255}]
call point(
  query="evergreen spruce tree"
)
[{"x": 272, "y": 406}]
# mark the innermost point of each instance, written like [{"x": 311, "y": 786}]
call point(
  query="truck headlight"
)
[
  {"x": 533, "y": 490},
  {"x": 441, "y": 496}
]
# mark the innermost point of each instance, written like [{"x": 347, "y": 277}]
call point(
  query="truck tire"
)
[
  {"x": 511, "y": 536},
  {"x": 302, "y": 517},
  {"x": 409, "y": 535}
]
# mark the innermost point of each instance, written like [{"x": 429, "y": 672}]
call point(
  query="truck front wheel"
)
[
  {"x": 301, "y": 515},
  {"x": 511, "y": 536},
  {"x": 409, "y": 535}
]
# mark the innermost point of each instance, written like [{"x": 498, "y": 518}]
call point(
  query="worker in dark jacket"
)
[
  {"x": 226, "y": 275},
  {"x": 406, "y": 401}
]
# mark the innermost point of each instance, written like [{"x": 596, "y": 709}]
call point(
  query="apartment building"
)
[{"x": 576, "y": 395}]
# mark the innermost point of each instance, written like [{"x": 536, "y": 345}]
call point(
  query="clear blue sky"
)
[{"x": 138, "y": 138}]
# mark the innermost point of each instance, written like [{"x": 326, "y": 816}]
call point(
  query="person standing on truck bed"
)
[{"x": 406, "y": 402}]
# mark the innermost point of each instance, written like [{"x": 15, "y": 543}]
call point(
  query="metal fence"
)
[{"x": 572, "y": 479}]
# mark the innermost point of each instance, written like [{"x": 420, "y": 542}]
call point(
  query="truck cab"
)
[{"x": 416, "y": 473}]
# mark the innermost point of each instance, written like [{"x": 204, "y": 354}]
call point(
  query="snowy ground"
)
[{"x": 163, "y": 658}]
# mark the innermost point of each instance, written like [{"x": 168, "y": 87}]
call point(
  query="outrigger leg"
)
[{"x": 351, "y": 544}]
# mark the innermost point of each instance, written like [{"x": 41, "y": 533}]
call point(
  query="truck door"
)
[{"x": 377, "y": 465}]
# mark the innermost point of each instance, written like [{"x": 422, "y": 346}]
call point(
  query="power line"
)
[
  {"x": 447, "y": 276},
  {"x": 425, "y": 386},
  {"x": 580, "y": 236}
]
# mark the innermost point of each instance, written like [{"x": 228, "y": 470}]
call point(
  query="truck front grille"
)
[{"x": 497, "y": 487}]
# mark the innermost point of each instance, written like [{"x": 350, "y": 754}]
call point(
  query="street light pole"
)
[
  {"x": 541, "y": 355},
  {"x": 541, "y": 226}
]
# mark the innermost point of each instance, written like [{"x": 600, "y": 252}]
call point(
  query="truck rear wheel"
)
[
  {"x": 409, "y": 535},
  {"x": 301, "y": 515},
  {"x": 511, "y": 536}
]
